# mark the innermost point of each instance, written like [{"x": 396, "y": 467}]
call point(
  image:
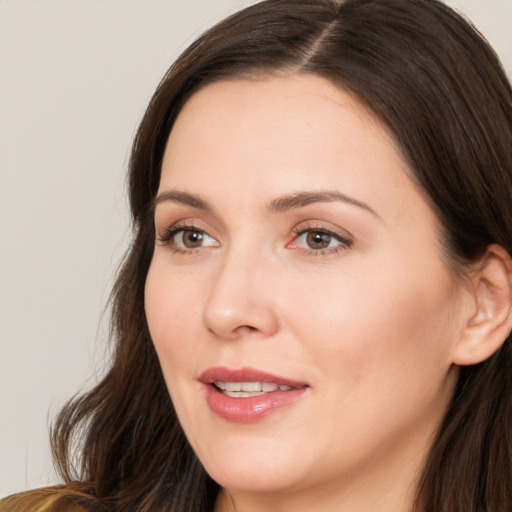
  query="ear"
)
[{"x": 490, "y": 320}]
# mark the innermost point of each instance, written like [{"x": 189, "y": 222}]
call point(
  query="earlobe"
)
[{"x": 490, "y": 322}]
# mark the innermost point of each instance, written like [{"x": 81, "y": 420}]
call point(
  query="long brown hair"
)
[{"x": 440, "y": 90}]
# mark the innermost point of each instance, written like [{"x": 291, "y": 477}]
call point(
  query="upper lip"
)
[{"x": 221, "y": 373}]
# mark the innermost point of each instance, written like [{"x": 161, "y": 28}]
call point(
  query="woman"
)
[{"x": 315, "y": 311}]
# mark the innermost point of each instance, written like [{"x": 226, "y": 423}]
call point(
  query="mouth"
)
[{"x": 247, "y": 395}]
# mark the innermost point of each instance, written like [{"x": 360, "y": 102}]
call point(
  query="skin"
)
[{"x": 371, "y": 325}]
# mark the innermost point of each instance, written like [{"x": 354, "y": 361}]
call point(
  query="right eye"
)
[
  {"x": 192, "y": 239},
  {"x": 183, "y": 238}
]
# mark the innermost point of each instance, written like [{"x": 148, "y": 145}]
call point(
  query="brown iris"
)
[
  {"x": 192, "y": 239},
  {"x": 318, "y": 239}
]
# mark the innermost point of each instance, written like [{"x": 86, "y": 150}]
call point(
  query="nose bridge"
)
[{"x": 240, "y": 299}]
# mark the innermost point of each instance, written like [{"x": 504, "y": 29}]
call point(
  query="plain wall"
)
[{"x": 75, "y": 77}]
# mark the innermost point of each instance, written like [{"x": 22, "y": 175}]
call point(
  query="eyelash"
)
[{"x": 167, "y": 239}]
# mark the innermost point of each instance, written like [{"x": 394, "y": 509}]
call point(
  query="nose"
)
[{"x": 240, "y": 302}]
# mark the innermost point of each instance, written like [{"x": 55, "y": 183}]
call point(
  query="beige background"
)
[{"x": 75, "y": 77}]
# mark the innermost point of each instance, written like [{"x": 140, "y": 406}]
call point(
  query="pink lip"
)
[
  {"x": 250, "y": 409},
  {"x": 245, "y": 375}
]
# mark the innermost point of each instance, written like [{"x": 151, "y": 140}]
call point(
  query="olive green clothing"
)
[{"x": 52, "y": 499}]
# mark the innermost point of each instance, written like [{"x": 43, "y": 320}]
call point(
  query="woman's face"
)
[{"x": 293, "y": 251}]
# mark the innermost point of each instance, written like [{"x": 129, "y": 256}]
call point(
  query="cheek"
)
[
  {"x": 377, "y": 327},
  {"x": 173, "y": 312}
]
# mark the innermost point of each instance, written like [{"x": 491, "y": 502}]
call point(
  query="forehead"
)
[
  {"x": 273, "y": 136},
  {"x": 304, "y": 106}
]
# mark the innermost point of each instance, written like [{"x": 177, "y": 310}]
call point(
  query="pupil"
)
[
  {"x": 192, "y": 239},
  {"x": 318, "y": 240}
]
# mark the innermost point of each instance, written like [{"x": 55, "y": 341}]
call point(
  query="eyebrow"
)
[
  {"x": 175, "y": 196},
  {"x": 283, "y": 203},
  {"x": 301, "y": 199}
]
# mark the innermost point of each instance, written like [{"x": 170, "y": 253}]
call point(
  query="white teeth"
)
[
  {"x": 251, "y": 386},
  {"x": 247, "y": 389},
  {"x": 242, "y": 394},
  {"x": 240, "y": 386}
]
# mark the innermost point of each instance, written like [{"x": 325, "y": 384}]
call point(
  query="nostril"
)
[
  {"x": 247, "y": 328},
  {"x": 240, "y": 330}
]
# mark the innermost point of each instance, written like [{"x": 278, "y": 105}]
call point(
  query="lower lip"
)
[{"x": 250, "y": 409}]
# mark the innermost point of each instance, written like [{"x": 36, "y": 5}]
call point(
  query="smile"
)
[{"x": 247, "y": 395}]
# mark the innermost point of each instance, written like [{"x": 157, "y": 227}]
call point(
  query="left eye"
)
[
  {"x": 317, "y": 240},
  {"x": 192, "y": 239}
]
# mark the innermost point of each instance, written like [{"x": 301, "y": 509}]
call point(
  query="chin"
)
[
  {"x": 259, "y": 470},
  {"x": 252, "y": 480}
]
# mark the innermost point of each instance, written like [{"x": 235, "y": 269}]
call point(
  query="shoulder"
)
[{"x": 60, "y": 498}]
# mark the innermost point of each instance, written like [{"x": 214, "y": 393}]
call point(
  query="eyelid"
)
[{"x": 167, "y": 234}]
